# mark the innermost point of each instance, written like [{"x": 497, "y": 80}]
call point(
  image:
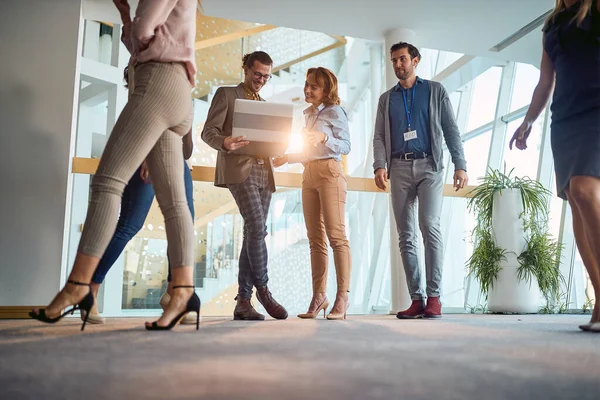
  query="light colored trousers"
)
[
  {"x": 157, "y": 115},
  {"x": 324, "y": 203},
  {"x": 412, "y": 181}
]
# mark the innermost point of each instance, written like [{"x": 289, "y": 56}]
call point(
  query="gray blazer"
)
[
  {"x": 441, "y": 125},
  {"x": 231, "y": 168}
]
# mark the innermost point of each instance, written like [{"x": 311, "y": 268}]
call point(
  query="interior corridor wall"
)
[{"x": 39, "y": 84}]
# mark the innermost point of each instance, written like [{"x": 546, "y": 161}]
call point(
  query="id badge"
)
[{"x": 410, "y": 135}]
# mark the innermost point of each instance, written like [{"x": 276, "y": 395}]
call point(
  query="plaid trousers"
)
[{"x": 253, "y": 198}]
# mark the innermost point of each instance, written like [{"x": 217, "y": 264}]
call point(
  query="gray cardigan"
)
[{"x": 441, "y": 123}]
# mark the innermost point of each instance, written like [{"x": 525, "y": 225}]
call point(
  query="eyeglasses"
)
[{"x": 258, "y": 75}]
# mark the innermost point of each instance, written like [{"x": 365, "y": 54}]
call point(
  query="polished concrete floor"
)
[{"x": 365, "y": 357}]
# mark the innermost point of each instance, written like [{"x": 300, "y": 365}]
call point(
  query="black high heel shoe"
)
[
  {"x": 84, "y": 305},
  {"x": 193, "y": 305}
]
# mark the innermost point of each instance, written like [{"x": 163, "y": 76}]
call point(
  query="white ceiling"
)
[{"x": 463, "y": 26}]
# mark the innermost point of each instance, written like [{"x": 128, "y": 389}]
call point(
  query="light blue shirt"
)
[{"x": 332, "y": 121}]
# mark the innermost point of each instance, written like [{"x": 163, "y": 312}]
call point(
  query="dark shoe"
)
[
  {"x": 274, "y": 309},
  {"x": 414, "y": 311},
  {"x": 85, "y": 305},
  {"x": 433, "y": 309},
  {"x": 244, "y": 311},
  {"x": 193, "y": 305},
  {"x": 189, "y": 319}
]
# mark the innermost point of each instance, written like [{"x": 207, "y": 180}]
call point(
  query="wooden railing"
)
[{"x": 282, "y": 179}]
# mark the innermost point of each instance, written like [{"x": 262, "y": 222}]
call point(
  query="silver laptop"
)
[{"x": 267, "y": 126}]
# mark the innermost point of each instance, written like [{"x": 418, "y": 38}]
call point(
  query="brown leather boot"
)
[
  {"x": 244, "y": 310},
  {"x": 274, "y": 309}
]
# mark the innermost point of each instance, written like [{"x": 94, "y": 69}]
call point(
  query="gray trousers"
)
[{"x": 413, "y": 180}]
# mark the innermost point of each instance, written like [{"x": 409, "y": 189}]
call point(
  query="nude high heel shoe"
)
[
  {"x": 314, "y": 314},
  {"x": 337, "y": 316}
]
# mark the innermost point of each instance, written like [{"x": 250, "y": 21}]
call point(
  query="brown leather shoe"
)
[
  {"x": 244, "y": 311},
  {"x": 274, "y": 309}
]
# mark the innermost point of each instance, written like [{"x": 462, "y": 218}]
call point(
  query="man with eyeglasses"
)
[{"x": 250, "y": 181}]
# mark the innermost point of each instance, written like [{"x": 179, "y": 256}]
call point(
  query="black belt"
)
[{"x": 411, "y": 156}]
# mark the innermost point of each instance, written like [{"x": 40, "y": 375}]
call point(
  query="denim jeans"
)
[{"x": 135, "y": 205}]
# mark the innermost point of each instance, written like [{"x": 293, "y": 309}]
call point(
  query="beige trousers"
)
[
  {"x": 156, "y": 117},
  {"x": 323, "y": 203}
]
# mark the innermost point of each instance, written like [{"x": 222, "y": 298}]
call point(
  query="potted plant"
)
[{"x": 515, "y": 259}]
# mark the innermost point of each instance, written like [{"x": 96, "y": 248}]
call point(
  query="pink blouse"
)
[{"x": 163, "y": 31}]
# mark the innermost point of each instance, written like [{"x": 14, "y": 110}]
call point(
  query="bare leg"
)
[
  {"x": 170, "y": 288},
  {"x": 584, "y": 197},
  {"x": 585, "y": 251}
]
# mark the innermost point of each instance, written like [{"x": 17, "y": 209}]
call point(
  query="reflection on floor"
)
[{"x": 366, "y": 357}]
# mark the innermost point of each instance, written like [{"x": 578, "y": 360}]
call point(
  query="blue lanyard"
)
[{"x": 412, "y": 103}]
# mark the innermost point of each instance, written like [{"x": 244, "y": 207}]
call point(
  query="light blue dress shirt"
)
[{"x": 332, "y": 121}]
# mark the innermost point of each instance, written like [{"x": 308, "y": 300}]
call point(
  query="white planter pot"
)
[
  {"x": 508, "y": 294},
  {"x": 506, "y": 225}
]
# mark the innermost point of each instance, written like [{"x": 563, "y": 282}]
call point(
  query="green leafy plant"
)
[
  {"x": 587, "y": 306},
  {"x": 484, "y": 263},
  {"x": 533, "y": 194},
  {"x": 558, "y": 305},
  {"x": 540, "y": 259},
  {"x": 542, "y": 255},
  {"x": 480, "y": 308}
]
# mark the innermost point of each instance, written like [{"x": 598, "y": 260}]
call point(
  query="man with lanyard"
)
[
  {"x": 251, "y": 183},
  {"x": 413, "y": 119}
]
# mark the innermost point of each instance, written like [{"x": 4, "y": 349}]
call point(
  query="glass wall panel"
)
[
  {"x": 457, "y": 224},
  {"x": 524, "y": 162},
  {"x": 476, "y": 153},
  {"x": 445, "y": 59},
  {"x": 484, "y": 97},
  {"x": 219, "y": 241},
  {"x": 526, "y": 79}
]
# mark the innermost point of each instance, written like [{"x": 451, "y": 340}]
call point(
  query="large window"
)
[
  {"x": 484, "y": 97},
  {"x": 524, "y": 162},
  {"x": 526, "y": 79},
  {"x": 476, "y": 153}
]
